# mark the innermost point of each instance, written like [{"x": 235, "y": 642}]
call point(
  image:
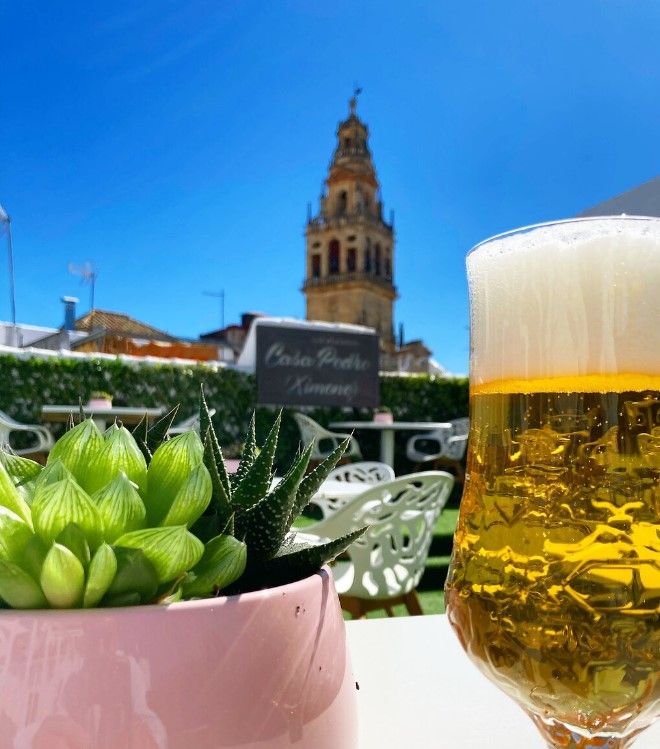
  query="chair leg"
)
[
  {"x": 412, "y": 603},
  {"x": 353, "y": 606},
  {"x": 359, "y": 608}
]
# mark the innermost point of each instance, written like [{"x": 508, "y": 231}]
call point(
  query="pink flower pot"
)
[
  {"x": 99, "y": 403},
  {"x": 264, "y": 670},
  {"x": 383, "y": 418}
]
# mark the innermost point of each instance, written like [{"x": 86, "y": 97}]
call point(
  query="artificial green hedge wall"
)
[{"x": 27, "y": 384}]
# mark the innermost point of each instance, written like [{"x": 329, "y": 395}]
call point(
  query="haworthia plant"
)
[{"x": 120, "y": 519}]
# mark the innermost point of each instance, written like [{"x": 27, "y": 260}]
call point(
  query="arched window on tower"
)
[
  {"x": 342, "y": 203},
  {"x": 316, "y": 265},
  {"x": 388, "y": 265},
  {"x": 333, "y": 257},
  {"x": 351, "y": 259},
  {"x": 377, "y": 259},
  {"x": 367, "y": 257}
]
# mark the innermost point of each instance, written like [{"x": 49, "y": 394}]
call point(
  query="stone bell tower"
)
[{"x": 350, "y": 248}]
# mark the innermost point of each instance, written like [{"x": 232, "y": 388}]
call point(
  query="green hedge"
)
[{"x": 27, "y": 384}]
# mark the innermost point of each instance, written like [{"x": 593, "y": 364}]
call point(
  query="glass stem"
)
[{"x": 558, "y": 736}]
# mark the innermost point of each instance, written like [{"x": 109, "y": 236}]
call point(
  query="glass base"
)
[{"x": 559, "y": 736}]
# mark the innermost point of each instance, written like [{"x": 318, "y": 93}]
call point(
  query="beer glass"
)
[{"x": 554, "y": 585}]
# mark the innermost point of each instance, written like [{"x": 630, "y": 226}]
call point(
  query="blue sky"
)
[{"x": 176, "y": 144}]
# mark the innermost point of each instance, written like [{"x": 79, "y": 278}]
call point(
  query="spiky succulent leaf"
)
[
  {"x": 19, "y": 469},
  {"x": 169, "y": 469},
  {"x": 207, "y": 430},
  {"x": 101, "y": 573},
  {"x": 12, "y": 499},
  {"x": 136, "y": 577},
  {"x": 121, "y": 508},
  {"x": 265, "y": 525},
  {"x": 253, "y": 485},
  {"x": 191, "y": 500},
  {"x": 120, "y": 452},
  {"x": 62, "y": 578},
  {"x": 248, "y": 453},
  {"x": 222, "y": 563},
  {"x": 15, "y": 533},
  {"x": 18, "y": 589},
  {"x": 77, "y": 449},
  {"x": 172, "y": 550},
  {"x": 74, "y": 539},
  {"x": 221, "y": 495},
  {"x": 295, "y": 561},
  {"x": 56, "y": 505},
  {"x": 312, "y": 482}
]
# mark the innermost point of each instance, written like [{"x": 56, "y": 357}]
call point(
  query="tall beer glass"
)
[{"x": 554, "y": 586}]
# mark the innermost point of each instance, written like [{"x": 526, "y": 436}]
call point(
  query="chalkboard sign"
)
[{"x": 307, "y": 367}]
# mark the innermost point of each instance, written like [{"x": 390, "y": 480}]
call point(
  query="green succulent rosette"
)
[{"x": 119, "y": 519}]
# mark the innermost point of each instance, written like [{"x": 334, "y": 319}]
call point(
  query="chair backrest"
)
[
  {"x": 426, "y": 445},
  {"x": 456, "y": 444},
  {"x": 460, "y": 426},
  {"x": 365, "y": 471},
  {"x": 389, "y": 558},
  {"x": 41, "y": 441},
  {"x": 7, "y": 423},
  {"x": 312, "y": 432}
]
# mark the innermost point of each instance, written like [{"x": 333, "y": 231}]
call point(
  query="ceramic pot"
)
[
  {"x": 264, "y": 670},
  {"x": 383, "y": 418},
  {"x": 99, "y": 403}
]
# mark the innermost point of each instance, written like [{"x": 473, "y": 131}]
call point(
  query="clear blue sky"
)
[{"x": 176, "y": 144}]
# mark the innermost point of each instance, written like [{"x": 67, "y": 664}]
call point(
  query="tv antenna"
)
[
  {"x": 88, "y": 275},
  {"x": 221, "y": 296}
]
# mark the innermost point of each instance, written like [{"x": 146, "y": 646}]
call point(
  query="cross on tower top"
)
[{"x": 352, "y": 102}]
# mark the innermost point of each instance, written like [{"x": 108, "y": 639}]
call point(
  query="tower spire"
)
[{"x": 352, "y": 102}]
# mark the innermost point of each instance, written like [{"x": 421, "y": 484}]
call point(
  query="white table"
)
[
  {"x": 418, "y": 689},
  {"x": 331, "y": 489},
  {"x": 344, "y": 490},
  {"x": 387, "y": 432},
  {"x": 101, "y": 415}
]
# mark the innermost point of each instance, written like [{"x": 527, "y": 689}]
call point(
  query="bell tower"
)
[{"x": 350, "y": 248}]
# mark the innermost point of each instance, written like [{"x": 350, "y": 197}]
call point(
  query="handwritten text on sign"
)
[{"x": 304, "y": 367}]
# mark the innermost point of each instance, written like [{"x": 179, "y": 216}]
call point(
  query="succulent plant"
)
[{"x": 119, "y": 519}]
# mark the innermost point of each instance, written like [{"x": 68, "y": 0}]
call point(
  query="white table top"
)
[
  {"x": 418, "y": 689},
  {"x": 331, "y": 489},
  {"x": 340, "y": 489},
  {"x": 407, "y": 425},
  {"x": 126, "y": 413}
]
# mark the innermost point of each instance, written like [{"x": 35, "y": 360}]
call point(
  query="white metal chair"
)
[
  {"x": 365, "y": 471},
  {"x": 441, "y": 447},
  {"x": 385, "y": 565},
  {"x": 362, "y": 475},
  {"x": 44, "y": 439},
  {"x": 324, "y": 441},
  {"x": 187, "y": 424}
]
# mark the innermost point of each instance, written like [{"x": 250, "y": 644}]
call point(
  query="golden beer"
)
[{"x": 554, "y": 587}]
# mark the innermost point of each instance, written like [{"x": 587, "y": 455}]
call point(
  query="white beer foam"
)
[{"x": 573, "y": 298}]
